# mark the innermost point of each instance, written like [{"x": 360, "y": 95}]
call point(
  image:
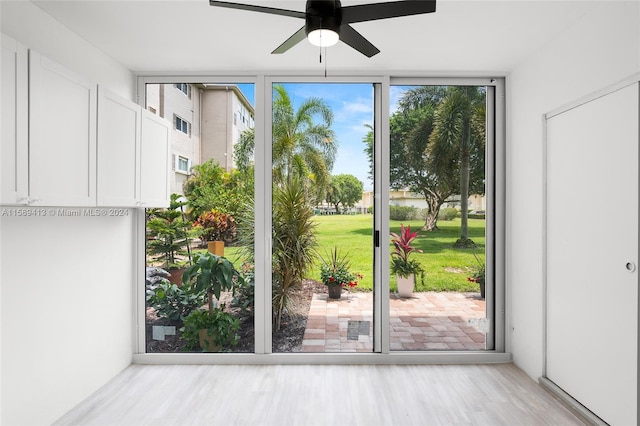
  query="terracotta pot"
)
[
  {"x": 206, "y": 341},
  {"x": 175, "y": 276},
  {"x": 405, "y": 285},
  {"x": 334, "y": 291},
  {"x": 216, "y": 247}
]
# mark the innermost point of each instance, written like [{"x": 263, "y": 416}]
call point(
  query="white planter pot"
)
[{"x": 405, "y": 285}]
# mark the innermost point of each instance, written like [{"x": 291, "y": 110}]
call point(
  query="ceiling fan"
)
[{"x": 326, "y": 21}]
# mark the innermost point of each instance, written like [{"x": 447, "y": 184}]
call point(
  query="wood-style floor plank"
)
[{"x": 496, "y": 394}]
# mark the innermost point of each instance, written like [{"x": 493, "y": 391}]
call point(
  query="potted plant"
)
[
  {"x": 169, "y": 233},
  {"x": 211, "y": 331},
  {"x": 211, "y": 274},
  {"x": 335, "y": 273},
  {"x": 217, "y": 228},
  {"x": 405, "y": 269},
  {"x": 478, "y": 274}
]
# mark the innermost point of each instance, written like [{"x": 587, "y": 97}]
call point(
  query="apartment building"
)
[{"x": 207, "y": 121}]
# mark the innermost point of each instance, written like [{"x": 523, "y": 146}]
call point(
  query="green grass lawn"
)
[{"x": 446, "y": 268}]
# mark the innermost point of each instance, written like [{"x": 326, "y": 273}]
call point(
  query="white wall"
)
[
  {"x": 600, "y": 50},
  {"x": 66, "y": 282},
  {"x": 67, "y": 290}
]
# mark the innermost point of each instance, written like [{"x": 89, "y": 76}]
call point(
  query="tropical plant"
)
[
  {"x": 221, "y": 326},
  {"x": 169, "y": 233},
  {"x": 458, "y": 137},
  {"x": 210, "y": 186},
  {"x": 335, "y": 270},
  {"x": 478, "y": 274},
  {"x": 400, "y": 263},
  {"x": 172, "y": 302},
  {"x": 245, "y": 293},
  {"x": 301, "y": 147},
  {"x": 217, "y": 226},
  {"x": 211, "y": 274},
  {"x": 294, "y": 243}
]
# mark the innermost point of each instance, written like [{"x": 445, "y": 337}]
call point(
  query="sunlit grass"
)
[{"x": 446, "y": 268}]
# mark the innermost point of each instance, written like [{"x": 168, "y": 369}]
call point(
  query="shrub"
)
[
  {"x": 402, "y": 212},
  {"x": 244, "y": 297},
  {"x": 221, "y": 325},
  {"x": 172, "y": 302},
  {"x": 447, "y": 214},
  {"x": 217, "y": 226}
]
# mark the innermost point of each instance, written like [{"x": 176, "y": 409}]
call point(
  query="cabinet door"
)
[
  {"x": 14, "y": 146},
  {"x": 592, "y": 253},
  {"x": 118, "y": 150},
  {"x": 62, "y": 135},
  {"x": 154, "y": 164}
]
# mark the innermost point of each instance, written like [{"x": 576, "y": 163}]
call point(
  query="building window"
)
[
  {"x": 182, "y": 125},
  {"x": 184, "y": 88},
  {"x": 183, "y": 164}
]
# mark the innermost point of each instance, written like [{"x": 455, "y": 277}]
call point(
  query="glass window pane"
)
[{"x": 211, "y": 214}]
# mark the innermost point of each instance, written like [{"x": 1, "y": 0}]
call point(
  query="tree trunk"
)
[
  {"x": 465, "y": 152},
  {"x": 434, "y": 203}
]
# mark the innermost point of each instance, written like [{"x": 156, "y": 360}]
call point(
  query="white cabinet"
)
[
  {"x": 133, "y": 154},
  {"x": 64, "y": 143},
  {"x": 592, "y": 253},
  {"x": 118, "y": 150},
  {"x": 14, "y": 147},
  {"x": 62, "y": 135},
  {"x": 155, "y": 161}
]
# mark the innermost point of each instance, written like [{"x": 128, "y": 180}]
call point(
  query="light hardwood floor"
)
[{"x": 496, "y": 394}]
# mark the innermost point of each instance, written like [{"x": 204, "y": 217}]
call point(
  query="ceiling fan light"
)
[{"x": 323, "y": 37}]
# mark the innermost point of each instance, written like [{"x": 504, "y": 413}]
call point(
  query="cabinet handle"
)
[{"x": 630, "y": 266}]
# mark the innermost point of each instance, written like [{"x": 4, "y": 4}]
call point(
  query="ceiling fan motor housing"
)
[{"x": 323, "y": 14}]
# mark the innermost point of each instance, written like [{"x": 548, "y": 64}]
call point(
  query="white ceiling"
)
[{"x": 191, "y": 36}]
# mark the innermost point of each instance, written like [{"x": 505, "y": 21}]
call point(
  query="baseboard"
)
[{"x": 568, "y": 401}]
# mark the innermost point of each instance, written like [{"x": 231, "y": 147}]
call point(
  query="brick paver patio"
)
[{"x": 427, "y": 321}]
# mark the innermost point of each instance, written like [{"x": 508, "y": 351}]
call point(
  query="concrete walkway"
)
[{"x": 427, "y": 321}]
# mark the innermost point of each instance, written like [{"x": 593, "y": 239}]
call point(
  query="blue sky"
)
[{"x": 352, "y": 106}]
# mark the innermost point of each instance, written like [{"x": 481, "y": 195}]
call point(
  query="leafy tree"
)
[
  {"x": 345, "y": 190},
  {"x": 211, "y": 187},
  {"x": 458, "y": 135}
]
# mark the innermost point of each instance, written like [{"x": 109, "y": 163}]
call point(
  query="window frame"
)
[
  {"x": 183, "y": 123},
  {"x": 263, "y": 94}
]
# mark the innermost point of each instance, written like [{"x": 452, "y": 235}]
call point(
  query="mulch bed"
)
[{"x": 287, "y": 339}]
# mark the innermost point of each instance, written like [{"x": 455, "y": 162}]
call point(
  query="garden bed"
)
[{"x": 287, "y": 339}]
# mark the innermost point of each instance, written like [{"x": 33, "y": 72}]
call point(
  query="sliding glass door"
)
[{"x": 327, "y": 197}]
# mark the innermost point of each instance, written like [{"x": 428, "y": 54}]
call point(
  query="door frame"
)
[{"x": 381, "y": 353}]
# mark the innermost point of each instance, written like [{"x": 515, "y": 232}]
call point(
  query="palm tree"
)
[
  {"x": 301, "y": 147},
  {"x": 458, "y": 135}
]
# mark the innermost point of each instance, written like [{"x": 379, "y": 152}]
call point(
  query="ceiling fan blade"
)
[
  {"x": 393, "y": 9},
  {"x": 296, "y": 38},
  {"x": 354, "y": 39},
  {"x": 253, "y": 8}
]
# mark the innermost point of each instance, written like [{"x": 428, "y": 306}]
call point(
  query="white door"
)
[{"x": 592, "y": 254}]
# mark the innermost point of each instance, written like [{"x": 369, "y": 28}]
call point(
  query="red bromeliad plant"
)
[{"x": 400, "y": 263}]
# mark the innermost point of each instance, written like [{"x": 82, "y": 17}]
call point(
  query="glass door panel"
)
[
  {"x": 322, "y": 269},
  {"x": 438, "y": 205}
]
